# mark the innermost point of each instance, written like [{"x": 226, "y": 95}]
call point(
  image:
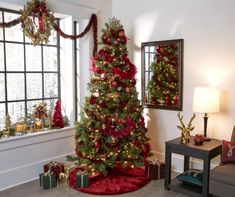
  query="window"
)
[{"x": 28, "y": 74}]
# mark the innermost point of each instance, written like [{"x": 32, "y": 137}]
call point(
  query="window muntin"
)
[{"x": 28, "y": 74}]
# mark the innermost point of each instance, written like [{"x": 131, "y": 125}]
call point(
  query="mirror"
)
[{"x": 162, "y": 74}]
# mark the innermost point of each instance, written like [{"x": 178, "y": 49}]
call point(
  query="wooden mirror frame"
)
[{"x": 167, "y": 57}]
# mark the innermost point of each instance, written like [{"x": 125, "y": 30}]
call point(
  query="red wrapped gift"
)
[
  {"x": 155, "y": 169},
  {"x": 54, "y": 167}
]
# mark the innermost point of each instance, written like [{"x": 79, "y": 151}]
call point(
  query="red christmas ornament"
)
[
  {"x": 97, "y": 143},
  {"x": 121, "y": 34},
  {"x": 114, "y": 83},
  {"x": 57, "y": 120},
  {"x": 103, "y": 76}
]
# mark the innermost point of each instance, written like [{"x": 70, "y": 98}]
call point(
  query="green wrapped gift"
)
[
  {"x": 82, "y": 179},
  {"x": 47, "y": 180}
]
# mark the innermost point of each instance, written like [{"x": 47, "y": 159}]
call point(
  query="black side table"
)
[{"x": 206, "y": 152}]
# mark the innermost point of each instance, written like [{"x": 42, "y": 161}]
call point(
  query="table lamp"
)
[{"x": 206, "y": 100}]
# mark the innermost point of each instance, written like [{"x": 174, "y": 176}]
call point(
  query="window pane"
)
[
  {"x": 15, "y": 86},
  {"x": 34, "y": 86},
  {"x": 152, "y": 49},
  {"x": 33, "y": 58},
  {"x": 30, "y": 106},
  {"x": 50, "y": 85},
  {"x": 50, "y": 58},
  {"x": 13, "y": 33},
  {"x": 1, "y": 57},
  {"x": 1, "y": 31},
  {"x": 2, "y": 87},
  {"x": 14, "y": 57},
  {"x": 50, "y": 103},
  {"x": 16, "y": 110},
  {"x": 2, "y": 116}
]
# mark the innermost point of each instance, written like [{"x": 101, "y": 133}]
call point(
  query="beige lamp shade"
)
[{"x": 206, "y": 99}]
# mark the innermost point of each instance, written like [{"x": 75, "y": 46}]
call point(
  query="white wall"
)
[{"x": 208, "y": 30}]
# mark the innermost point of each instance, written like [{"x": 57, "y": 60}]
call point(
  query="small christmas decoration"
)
[
  {"x": 39, "y": 115},
  {"x": 155, "y": 169},
  {"x": 63, "y": 176},
  {"x": 47, "y": 180},
  {"x": 55, "y": 167},
  {"x": 40, "y": 111},
  {"x": 8, "y": 126},
  {"x": 57, "y": 121},
  {"x": 82, "y": 179},
  {"x": 21, "y": 126},
  {"x": 185, "y": 131}
]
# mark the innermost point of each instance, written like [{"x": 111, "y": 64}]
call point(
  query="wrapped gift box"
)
[
  {"x": 82, "y": 179},
  {"x": 155, "y": 169},
  {"x": 47, "y": 180},
  {"x": 54, "y": 167}
]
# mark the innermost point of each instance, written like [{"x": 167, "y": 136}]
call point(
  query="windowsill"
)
[{"x": 36, "y": 137}]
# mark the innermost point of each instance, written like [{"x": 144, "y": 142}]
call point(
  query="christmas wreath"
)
[{"x": 37, "y": 21}]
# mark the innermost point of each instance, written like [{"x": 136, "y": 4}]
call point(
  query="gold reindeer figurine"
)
[
  {"x": 64, "y": 177},
  {"x": 185, "y": 131}
]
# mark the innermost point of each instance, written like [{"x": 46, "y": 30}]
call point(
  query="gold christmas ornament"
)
[{"x": 113, "y": 95}]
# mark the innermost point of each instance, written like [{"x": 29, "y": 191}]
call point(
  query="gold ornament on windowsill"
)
[
  {"x": 21, "y": 126},
  {"x": 38, "y": 125},
  {"x": 39, "y": 115},
  {"x": 185, "y": 131}
]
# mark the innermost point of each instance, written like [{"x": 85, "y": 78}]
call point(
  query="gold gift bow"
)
[
  {"x": 82, "y": 174},
  {"x": 154, "y": 162}
]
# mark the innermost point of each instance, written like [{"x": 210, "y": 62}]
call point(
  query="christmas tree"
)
[
  {"x": 163, "y": 88},
  {"x": 57, "y": 121},
  {"x": 111, "y": 130}
]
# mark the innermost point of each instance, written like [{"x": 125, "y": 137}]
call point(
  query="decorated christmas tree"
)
[
  {"x": 111, "y": 130},
  {"x": 163, "y": 88},
  {"x": 57, "y": 121}
]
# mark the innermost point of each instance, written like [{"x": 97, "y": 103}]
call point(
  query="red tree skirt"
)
[{"x": 118, "y": 181}]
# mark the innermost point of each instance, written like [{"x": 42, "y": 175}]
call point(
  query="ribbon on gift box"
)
[{"x": 155, "y": 162}]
